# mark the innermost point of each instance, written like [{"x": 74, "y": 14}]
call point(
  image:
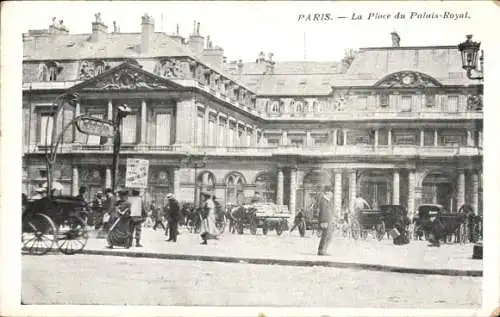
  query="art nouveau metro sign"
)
[{"x": 95, "y": 126}]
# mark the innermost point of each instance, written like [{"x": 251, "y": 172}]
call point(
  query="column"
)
[
  {"x": 435, "y": 137},
  {"x": 352, "y": 189},
  {"x": 422, "y": 135},
  {"x": 411, "y": 193},
  {"x": 236, "y": 135},
  {"x": 293, "y": 191},
  {"x": 254, "y": 136},
  {"x": 144, "y": 122},
  {"x": 395, "y": 187},
  {"x": 475, "y": 191},
  {"x": 228, "y": 130},
  {"x": 177, "y": 182},
  {"x": 110, "y": 110},
  {"x": 206, "y": 118},
  {"x": 344, "y": 141},
  {"x": 279, "y": 188},
  {"x": 375, "y": 141},
  {"x": 337, "y": 192},
  {"x": 217, "y": 142},
  {"x": 460, "y": 189},
  {"x": 108, "y": 177},
  {"x": 245, "y": 136},
  {"x": 434, "y": 193},
  {"x": 480, "y": 139},
  {"x": 470, "y": 139},
  {"x": 389, "y": 137},
  {"x": 308, "y": 138},
  {"x": 335, "y": 137},
  {"x": 75, "y": 181},
  {"x": 75, "y": 131},
  {"x": 284, "y": 138}
]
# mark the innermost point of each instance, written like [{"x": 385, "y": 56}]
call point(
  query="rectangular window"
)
[
  {"x": 383, "y": 137},
  {"x": 231, "y": 142},
  {"x": 222, "y": 133},
  {"x": 199, "y": 130},
  {"x": 273, "y": 141},
  {"x": 363, "y": 102},
  {"x": 405, "y": 137},
  {"x": 46, "y": 126},
  {"x": 430, "y": 100},
  {"x": 163, "y": 124},
  {"x": 406, "y": 103},
  {"x": 452, "y": 104},
  {"x": 320, "y": 140},
  {"x": 129, "y": 129},
  {"x": 384, "y": 100},
  {"x": 297, "y": 142},
  {"x": 211, "y": 128},
  {"x": 428, "y": 137}
]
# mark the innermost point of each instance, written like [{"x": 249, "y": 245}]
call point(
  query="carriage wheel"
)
[
  {"x": 380, "y": 231},
  {"x": 73, "y": 239},
  {"x": 239, "y": 228},
  {"x": 302, "y": 228},
  {"x": 279, "y": 228},
  {"x": 265, "y": 228},
  {"x": 221, "y": 225},
  {"x": 355, "y": 230},
  {"x": 38, "y": 234}
]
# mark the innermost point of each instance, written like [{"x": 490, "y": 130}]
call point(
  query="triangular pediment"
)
[
  {"x": 126, "y": 76},
  {"x": 407, "y": 79}
]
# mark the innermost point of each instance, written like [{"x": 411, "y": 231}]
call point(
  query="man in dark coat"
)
[
  {"x": 173, "y": 212},
  {"x": 325, "y": 220}
]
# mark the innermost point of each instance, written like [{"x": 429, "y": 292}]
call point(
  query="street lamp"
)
[
  {"x": 121, "y": 112},
  {"x": 190, "y": 162},
  {"x": 469, "y": 50}
]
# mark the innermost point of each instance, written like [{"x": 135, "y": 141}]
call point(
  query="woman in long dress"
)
[
  {"x": 209, "y": 229},
  {"x": 119, "y": 232}
]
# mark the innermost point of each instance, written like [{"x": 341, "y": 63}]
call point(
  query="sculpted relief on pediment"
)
[
  {"x": 127, "y": 78},
  {"x": 408, "y": 79}
]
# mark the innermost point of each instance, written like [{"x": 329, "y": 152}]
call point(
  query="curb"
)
[{"x": 308, "y": 263}]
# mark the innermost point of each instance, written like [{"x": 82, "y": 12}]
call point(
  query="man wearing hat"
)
[
  {"x": 325, "y": 219},
  {"x": 137, "y": 213},
  {"x": 173, "y": 213}
]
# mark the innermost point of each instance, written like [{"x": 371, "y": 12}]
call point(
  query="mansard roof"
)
[
  {"x": 438, "y": 65},
  {"x": 112, "y": 45}
]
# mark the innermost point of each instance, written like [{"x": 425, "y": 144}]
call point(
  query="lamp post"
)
[
  {"x": 190, "y": 161},
  {"x": 469, "y": 50},
  {"x": 121, "y": 112}
]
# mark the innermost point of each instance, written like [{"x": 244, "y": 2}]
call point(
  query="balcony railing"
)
[
  {"x": 370, "y": 115},
  {"x": 267, "y": 150}
]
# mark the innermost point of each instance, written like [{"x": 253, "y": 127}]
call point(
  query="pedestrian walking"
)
[
  {"x": 98, "y": 210},
  {"x": 137, "y": 217},
  {"x": 208, "y": 215},
  {"x": 109, "y": 208},
  {"x": 119, "y": 231},
  {"x": 157, "y": 217},
  {"x": 173, "y": 213},
  {"x": 325, "y": 220}
]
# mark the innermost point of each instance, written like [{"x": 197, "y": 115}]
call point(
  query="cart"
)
[
  {"x": 267, "y": 216},
  {"x": 368, "y": 221},
  {"x": 54, "y": 220}
]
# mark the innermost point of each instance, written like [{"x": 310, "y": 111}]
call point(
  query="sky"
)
[{"x": 244, "y": 29}]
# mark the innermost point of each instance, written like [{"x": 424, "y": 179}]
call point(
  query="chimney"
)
[
  {"x": 269, "y": 64},
  {"x": 196, "y": 41},
  {"x": 99, "y": 29},
  {"x": 213, "y": 55},
  {"x": 57, "y": 28},
  {"x": 116, "y": 28},
  {"x": 177, "y": 37},
  {"x": 148, "y": 28},
  {"x": 395, "y": 39}
]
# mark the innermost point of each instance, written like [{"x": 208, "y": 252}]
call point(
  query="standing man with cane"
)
[{"x": 325, "y": 220}]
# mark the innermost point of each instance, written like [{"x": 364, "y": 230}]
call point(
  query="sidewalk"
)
[{"x": 369, "y": 254}]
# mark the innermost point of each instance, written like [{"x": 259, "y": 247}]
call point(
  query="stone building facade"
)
[{"x": 397, "y": 124}]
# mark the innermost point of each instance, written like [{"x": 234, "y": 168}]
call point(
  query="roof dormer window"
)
[{"x": 49, "y": 71}]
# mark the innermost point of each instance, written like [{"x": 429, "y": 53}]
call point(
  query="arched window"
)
[
  {"x": 291, "y": 106},
  {"x": 99, "y": 67},
  {"x": 275, "y": 107},
  {"x": 299, "y": 107},
  {"x": 206, "y": 183},
  {"x": 235, "y": 193},
  {"x": 265, "y": 186}
]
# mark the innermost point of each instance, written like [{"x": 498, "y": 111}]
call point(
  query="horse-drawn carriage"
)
[
  {"x": 53, "y": 220},
  {"x": 267, "y": 216},
  {"x": 451, "y": 224},
  {"x": 379, "y": 221}
]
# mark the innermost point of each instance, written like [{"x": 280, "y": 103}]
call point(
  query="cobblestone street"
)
[{"x": 87, "y": 279}]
